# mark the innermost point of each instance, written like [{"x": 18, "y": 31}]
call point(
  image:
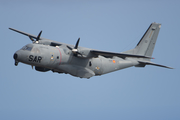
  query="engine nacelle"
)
[{"x": 41, "y": 69}]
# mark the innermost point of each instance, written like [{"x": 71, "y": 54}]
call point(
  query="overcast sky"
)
[{"x": 111, "y": 25}]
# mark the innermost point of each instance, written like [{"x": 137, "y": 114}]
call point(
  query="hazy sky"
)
[{"x": 111, "y": 25}]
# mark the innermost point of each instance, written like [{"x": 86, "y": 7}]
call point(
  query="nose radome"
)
[{"x": 15, "y": 56}]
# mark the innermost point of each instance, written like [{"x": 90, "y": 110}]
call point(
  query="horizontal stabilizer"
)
[
  {"x": 122, "y": 55},
  {"x": 151, "y": 63}
]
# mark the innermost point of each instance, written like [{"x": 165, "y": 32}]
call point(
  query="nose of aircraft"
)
[{"x": 15, "y": 56}]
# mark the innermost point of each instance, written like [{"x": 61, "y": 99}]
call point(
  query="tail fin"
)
[{"x": 147, "y": 43}]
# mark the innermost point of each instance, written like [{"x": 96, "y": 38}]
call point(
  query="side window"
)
[
  {"x": 23, "y": 48},
  {"x": 29, "y": 48},
  {"x": 90, "y": 64}
]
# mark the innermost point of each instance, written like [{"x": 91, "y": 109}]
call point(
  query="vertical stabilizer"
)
[{"x": 147, "y": 43}]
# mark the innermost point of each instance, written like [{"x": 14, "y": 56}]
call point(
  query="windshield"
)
[{"x": 27, "y": 48}]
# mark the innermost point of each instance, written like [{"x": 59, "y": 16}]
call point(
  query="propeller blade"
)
[
  {"x": 76, "y": 46},
  {"x": 75, "y": 49},
  {"x": 38, "y": 37},
  {"x": 68, "y": 47},
  {"x": 31, "y": 38}
]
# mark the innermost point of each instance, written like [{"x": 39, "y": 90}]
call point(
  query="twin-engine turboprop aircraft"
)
[{"x": 82, "y": 62}]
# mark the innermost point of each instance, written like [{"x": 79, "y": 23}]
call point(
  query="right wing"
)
[{"x": 122, "y": 55}]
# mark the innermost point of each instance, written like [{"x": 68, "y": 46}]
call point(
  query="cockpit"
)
[
  {"x": 28, "y": 48},
  {"x": 31, "y": 48}
]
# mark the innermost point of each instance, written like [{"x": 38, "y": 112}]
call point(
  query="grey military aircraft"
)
[{"x": 48, "y": 55}]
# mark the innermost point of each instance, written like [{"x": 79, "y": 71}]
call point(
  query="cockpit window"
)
[{"x": 27, "y": 48}]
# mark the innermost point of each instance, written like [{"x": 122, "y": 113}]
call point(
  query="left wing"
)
[
  {"x": 122, "y": 55},
  {"x": 32, "y": 37},
  {"x": 151, "y": 63},
  {"x": 27, "y": 34}
]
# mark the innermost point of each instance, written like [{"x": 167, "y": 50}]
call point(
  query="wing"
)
[
  {"x": 27, "y": 34},
  {"x": 111, "y": 54},
  {"x": 151, "y": 63}
]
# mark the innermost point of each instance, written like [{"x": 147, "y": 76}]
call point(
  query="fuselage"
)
[{"x": 60, "y": 59}]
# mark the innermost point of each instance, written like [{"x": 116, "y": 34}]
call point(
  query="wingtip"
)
[{"x": 171, "y": 68}]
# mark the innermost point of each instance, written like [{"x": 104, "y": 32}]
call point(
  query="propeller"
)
[
  {"x": 37, "y": 38},
  {"x": 75, "y": 49}
]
